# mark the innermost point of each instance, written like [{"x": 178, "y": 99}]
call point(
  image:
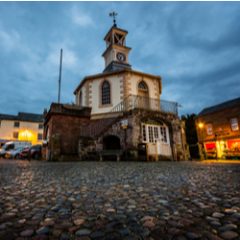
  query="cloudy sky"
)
[{"x": 194, "y": 46}]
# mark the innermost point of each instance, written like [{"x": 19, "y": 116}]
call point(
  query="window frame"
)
[
  {"x": 16, "y": 124},
  {"x": 234, "y": 128},
  {"x": 17, "y": 135},
  {"x": 40, "y": 134},
  {"x": 151, "y": 133},
  {"x": 109, "y": 98},
  {"x": 208, "y": 131}
]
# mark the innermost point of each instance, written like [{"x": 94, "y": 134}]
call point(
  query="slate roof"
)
[
  {"x": 221, "y": 106},
  {"x": 22, "y": 116}
]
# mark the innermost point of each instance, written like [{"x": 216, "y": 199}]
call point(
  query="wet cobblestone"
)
[{"x": 119, "y": 200}]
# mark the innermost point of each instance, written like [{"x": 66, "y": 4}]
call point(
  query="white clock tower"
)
[{"x": 116, "y": 53}]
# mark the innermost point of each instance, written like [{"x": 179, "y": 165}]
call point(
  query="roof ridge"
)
[{"x": 220, "y": 106}]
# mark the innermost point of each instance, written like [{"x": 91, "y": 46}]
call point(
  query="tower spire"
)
[{"x": 113, "y": 14}]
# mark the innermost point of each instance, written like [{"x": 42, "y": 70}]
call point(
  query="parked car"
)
[
  {"x": 13, "y": 145},
  {"x": 35, "y": 152},
  {"x": 24, "y": 154},
  {"x": 14, "y": 153}
]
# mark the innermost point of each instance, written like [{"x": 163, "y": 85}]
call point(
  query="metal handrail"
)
[{"x": 139, "y": 102}]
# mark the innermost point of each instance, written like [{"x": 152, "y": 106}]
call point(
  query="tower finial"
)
[{"x": 113, "y": 15}]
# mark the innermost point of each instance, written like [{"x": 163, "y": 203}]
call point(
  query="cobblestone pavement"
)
[{"x": 119, "y": 200}]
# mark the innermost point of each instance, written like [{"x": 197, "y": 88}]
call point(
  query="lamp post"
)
[
  {"x": 216, "y": 138},
  {"x": 201, "y": 126},
  {"x": 124, "y": 125}
]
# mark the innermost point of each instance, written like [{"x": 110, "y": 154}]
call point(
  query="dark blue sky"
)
[{"x": 194, "y": 46}]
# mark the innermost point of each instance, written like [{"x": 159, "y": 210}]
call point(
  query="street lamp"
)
[
  {"x": 124, "y": 126},
  {"x": 201, "y": 126}
]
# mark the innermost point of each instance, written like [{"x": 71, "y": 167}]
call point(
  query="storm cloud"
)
[{"x": 193, "y": 46}]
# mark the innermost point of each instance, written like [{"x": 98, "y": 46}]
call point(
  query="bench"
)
[{"x": 115, "y": 153}]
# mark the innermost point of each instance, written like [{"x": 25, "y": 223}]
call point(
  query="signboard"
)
[{"x": 124, "y": 123}]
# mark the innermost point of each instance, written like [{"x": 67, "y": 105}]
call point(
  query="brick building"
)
[
  {"x": 219, "y": 131},
  {"x": 117, "y": 112}
]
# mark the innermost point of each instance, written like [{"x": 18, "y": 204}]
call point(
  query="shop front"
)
[{"x": 222, "y": 149}]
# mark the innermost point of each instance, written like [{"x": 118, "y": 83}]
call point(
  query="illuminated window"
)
[
  {"x": 16, "y": 124},
  {"x": 234, "y": 124},
  {"x": 40, "y": 126},
  {"x": 15, "y": 135},
  {"x": 40, "y": 136},
  {"x": 209, "y": 129},
  {"x": 106, "y": 93}
]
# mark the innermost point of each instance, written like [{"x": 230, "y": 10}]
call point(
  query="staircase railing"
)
[{"x": 96, "y": 127}]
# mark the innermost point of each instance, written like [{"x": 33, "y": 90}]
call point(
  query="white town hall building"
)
[{"x": 118, "y": 113}]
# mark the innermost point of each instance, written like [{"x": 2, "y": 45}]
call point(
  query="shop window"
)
[
  {"x": 16, "y": 124},
  {"x": 15, "y": 135},
  {"x": 209, "y": 129},
  {"x": 234, "y": 124}
]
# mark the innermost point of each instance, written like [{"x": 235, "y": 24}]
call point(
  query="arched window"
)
[
  {"x": 142, "y": 86},
  {"x": 106, "y": 99},
  {"x": 143, "y": 96}
]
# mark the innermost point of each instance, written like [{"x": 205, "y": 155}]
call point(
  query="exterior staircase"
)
[{"x": 98, "y": 126}]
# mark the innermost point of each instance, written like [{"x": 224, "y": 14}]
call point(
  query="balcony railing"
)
[{"x": 139, "y": 102}]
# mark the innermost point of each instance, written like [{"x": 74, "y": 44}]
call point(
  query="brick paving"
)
[{"x": 119, "y": 200}]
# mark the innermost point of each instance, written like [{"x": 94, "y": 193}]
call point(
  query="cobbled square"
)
[{"x": 119, "y": 200}]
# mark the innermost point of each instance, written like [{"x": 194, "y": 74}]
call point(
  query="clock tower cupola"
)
[{"x": 116, "y": 53}]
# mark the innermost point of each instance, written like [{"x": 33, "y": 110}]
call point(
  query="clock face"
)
[{"x": 121, "y": 57}]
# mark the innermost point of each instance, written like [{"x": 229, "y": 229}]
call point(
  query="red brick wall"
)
[{"x": 221, "y": 124}]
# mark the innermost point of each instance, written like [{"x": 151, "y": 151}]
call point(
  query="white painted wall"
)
[
  {"x": 116, "y": 87},
  {"x": 84, "y": 92},
  {"x": 153, "y": 89},
  {"x": 93, "y": 90}
]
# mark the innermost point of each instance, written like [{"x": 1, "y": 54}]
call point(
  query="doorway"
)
[{"x": 111, "y": 142}]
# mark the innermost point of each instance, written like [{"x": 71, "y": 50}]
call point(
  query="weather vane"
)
[{"x": 113, "y": 15}]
